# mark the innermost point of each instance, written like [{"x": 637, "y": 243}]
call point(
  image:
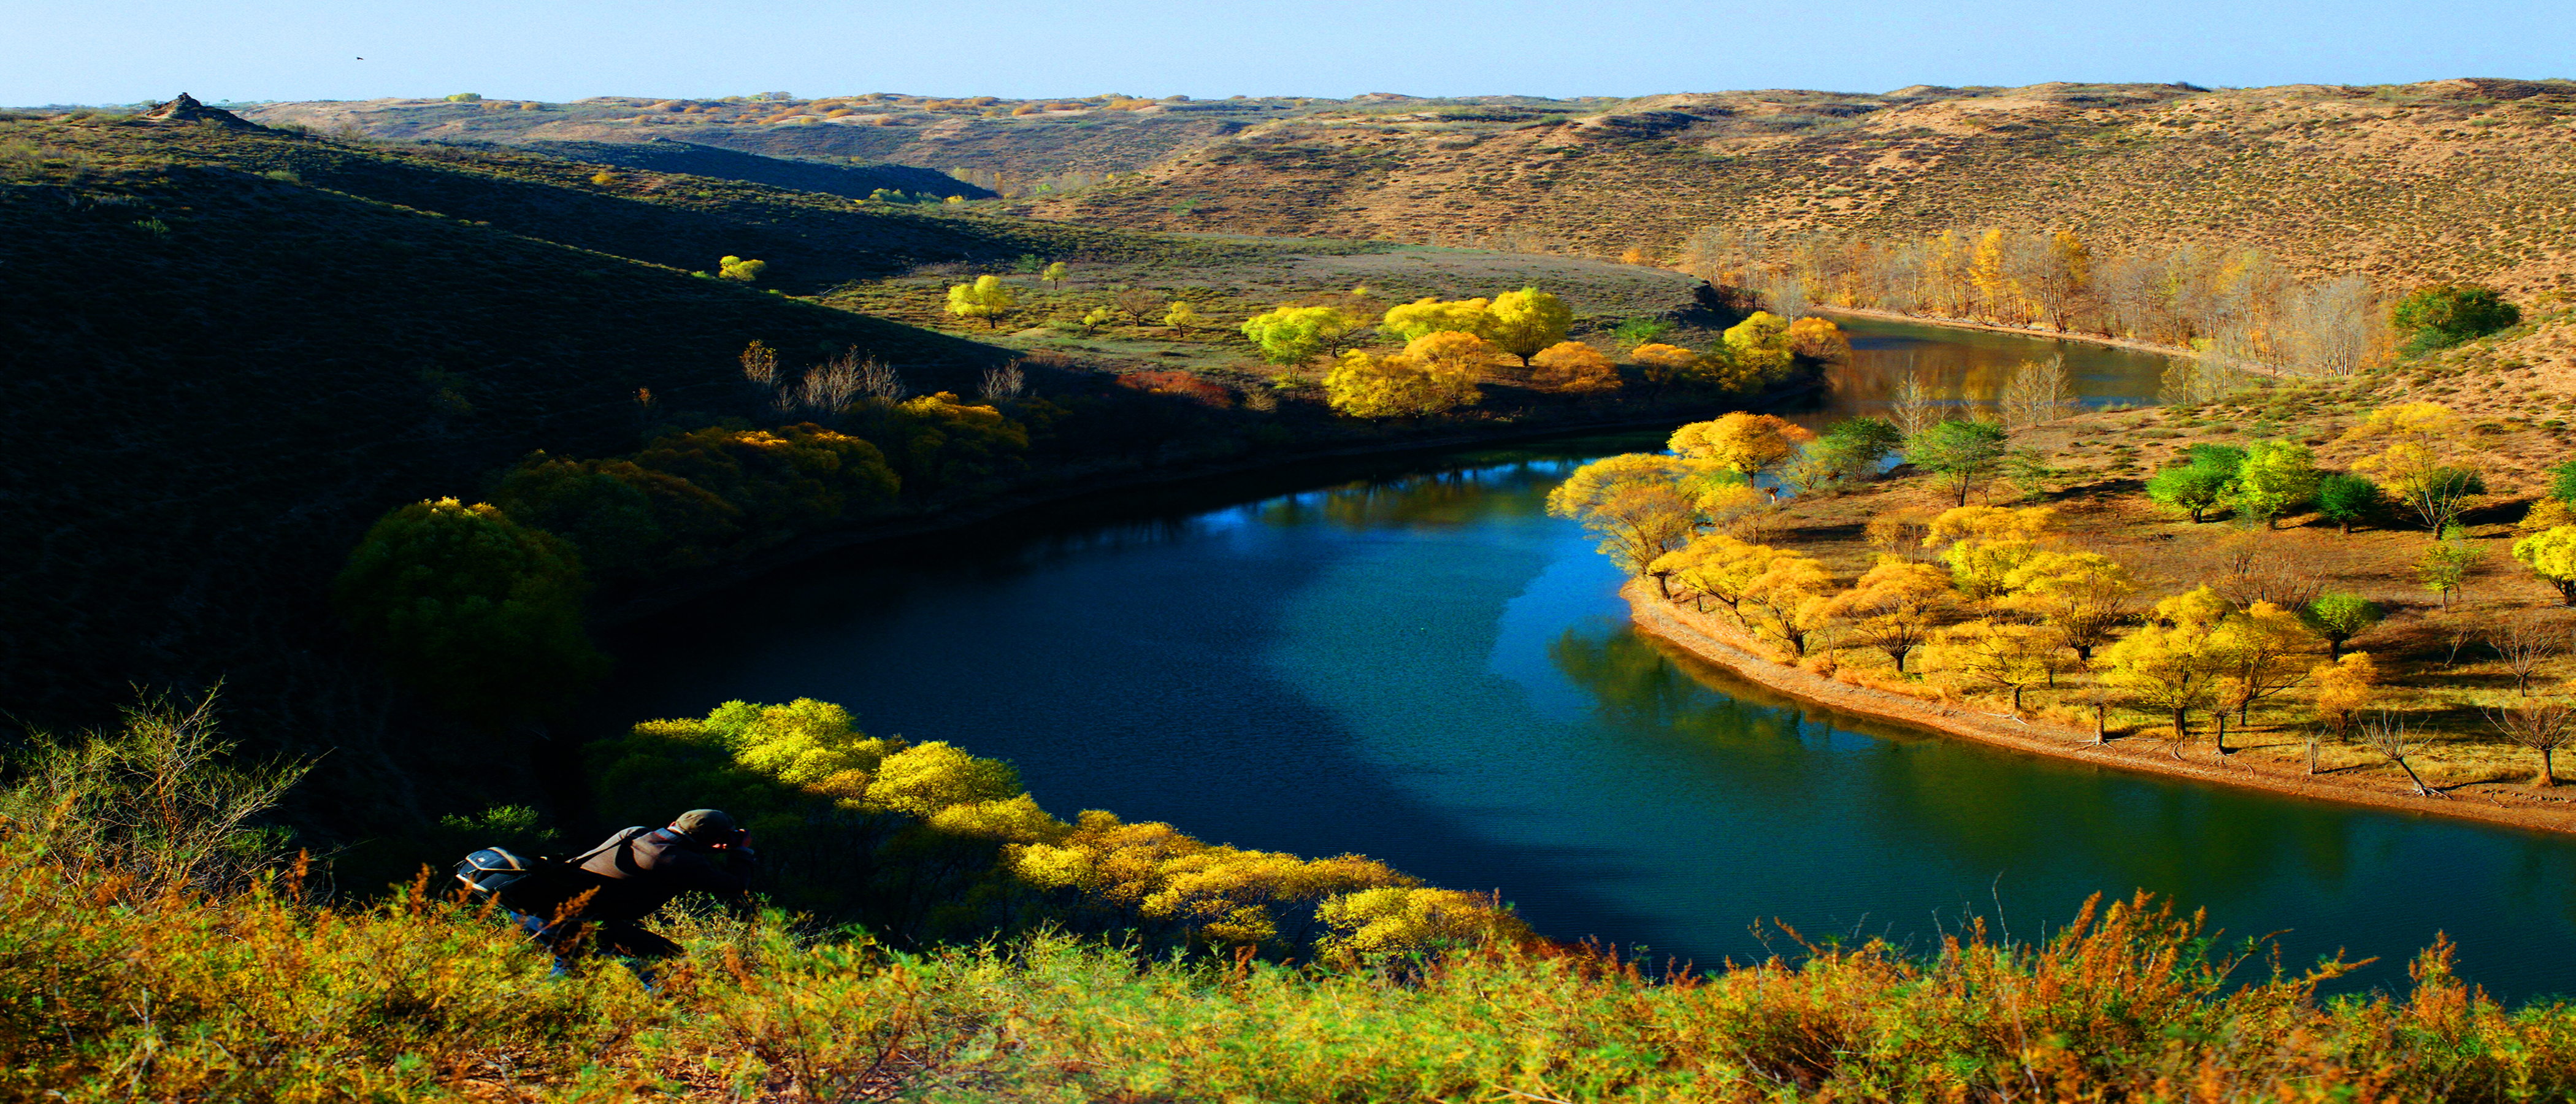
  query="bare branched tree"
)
[
  {"x": 1913, "y": 410},
  {"x": 2542, "y": 724},
  {"x": 2037, "y": 391},
  {"x": 1005, "y": 383},
  {"x": 879, "y": 381},
  {"x": 2388, "y": 736},
  {"x": 830, "y": 389},
  {"x": 2251, "y": 572},
  {"x": 2524, "y": 644}
]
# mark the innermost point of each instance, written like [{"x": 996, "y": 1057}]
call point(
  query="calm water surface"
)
[{"x": 1422, "y": 666}]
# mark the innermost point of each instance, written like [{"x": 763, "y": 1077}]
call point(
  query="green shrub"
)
[
  {"x": 2443, "y": 315},
  {"x": 481, "y": 613}
]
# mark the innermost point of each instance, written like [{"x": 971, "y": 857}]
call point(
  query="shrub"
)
[
  {"x": 738, "y": 268},
  {"x": 2442, "y": 315},
  {"x": 791, "y": 480},
  {"x": 480, "y": 612},
  {"x": 2345, "y": 498}
]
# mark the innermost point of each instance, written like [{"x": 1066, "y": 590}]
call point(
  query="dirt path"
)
[{"x": 1708, "y": 637}]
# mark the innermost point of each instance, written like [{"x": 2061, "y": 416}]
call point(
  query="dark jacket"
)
[{"x": 639, "y": 869}]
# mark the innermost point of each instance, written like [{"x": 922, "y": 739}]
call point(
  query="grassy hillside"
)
[
  {"x": 2445, "y": 179},
  {"x": 2451, "y": 179},
  {"x": 217, "y": 378}
]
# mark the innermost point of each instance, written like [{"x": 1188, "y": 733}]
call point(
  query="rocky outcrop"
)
[{"x": 186, "y": 109}]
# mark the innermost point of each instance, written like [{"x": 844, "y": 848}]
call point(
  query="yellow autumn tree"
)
[
  {"x": 1663, "y": 363},
  {"x": 1793, "y": 597},
  {"x": 1757, "y": 352},
  {"x": 1364, "y": 385},
  {"x": 1818, "y": 339},
  {"x": 2083, "y": 596},
  {"x": 1430, "y": 315},
  {"x": 987, "y": 299},
  {"x": 1574, "y": 367},
  {"x": 1712, "y": 565},
  {"x": 2345, "y": 687},
  {"x": 2007, "y": 657},
  {"x": 1635, "y": 502},
  {"x": 2265, "y": 650},
  {"x": 1182, "y": 316},
  {"x": 1894, "y": 607},
  {"x": 1526, "y": 321},
  {"x": 1748, "y": 444},
  {"x": 2171, "y": 664},
  {"x": 1984, "y": 545}
]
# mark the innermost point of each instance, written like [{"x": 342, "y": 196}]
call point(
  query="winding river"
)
[{"x": 1408, "y": 658}]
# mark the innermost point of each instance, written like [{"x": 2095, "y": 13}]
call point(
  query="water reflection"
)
[
  {"x": 1967, "y": 368},
  {"x": 1912, "y": 823}
]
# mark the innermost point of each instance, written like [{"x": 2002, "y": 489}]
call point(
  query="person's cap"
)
[{"x": 706, "y": 826}]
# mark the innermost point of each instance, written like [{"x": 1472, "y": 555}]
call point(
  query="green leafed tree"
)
[
  {"x": 1959, "y": 452},
  {"x": 2274, "y": 478},
  {"x": 2346, "y": 499},
  {"x": 481, "y": 613},
  {"x": 2338, "y": 616}
]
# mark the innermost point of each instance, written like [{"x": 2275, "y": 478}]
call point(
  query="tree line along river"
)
[{"x": 1407, "y": 658}]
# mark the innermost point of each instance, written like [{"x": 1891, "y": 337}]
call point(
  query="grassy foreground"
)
[{"x": 109, "y": 992}]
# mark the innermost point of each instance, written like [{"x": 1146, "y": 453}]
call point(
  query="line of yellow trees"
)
[
  {"x": 925, "y": 843},
  {"x": 1996, "y": 600},
  {"x": 2237, "y": 305}
]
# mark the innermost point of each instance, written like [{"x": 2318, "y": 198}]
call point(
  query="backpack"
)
[{"x": 535, "y": 885}]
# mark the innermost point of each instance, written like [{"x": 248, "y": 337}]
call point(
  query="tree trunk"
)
[
  {"x": 2221, "y": 715},
  {"x": 2548, "y": 775},
  {"x": 2101, "y": 724},
  {"x": 2180, "y": 733},
  {"x": 2334, "y": 647},
  {"x": 2016, "y": 701},
  {"x": 2421, "y": 790}
]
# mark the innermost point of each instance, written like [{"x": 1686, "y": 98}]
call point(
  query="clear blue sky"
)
[{"x": 559, "y": 50}]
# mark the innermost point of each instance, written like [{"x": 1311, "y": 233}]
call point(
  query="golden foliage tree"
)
[
  {"x": 1574, "y": 367},
  {"x": 1663, "y": 363},
  {"x": 1748, "y": 444},
  {"x": 987, "y": 299},
  {"x": 2007, "y": 657},
  {"x": 1818, "y": 339},
  {"x": 1635, "y": 502},
  {"x": 2265, "y": 650},
  {"x": 1793, "y": 593},
  {"x": 1181, "y": 317},
  {"x": 1430, "y": 315},
  {"x": 2171, "y": 664},
  {"x": 1713, "y": 565},
  {"x": 2345, "y": 687},
  {"x": 1894, "y": 607},
  {"x": 1526, "y": 321},
  {"x": 1405, "y": 384},
  {"x": 2551, "y": 554},
  {"x": 1984, "y": 545},
  {"x": 1295, "y": 335},
  {"x": 2084, "y": 596}
]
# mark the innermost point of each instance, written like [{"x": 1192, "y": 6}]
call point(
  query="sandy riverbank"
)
[{"x": 1710, "y": 638}]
